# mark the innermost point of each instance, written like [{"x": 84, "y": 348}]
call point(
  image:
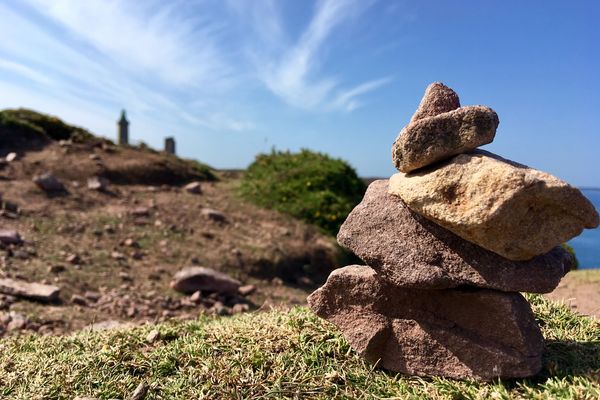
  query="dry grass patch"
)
[{"x": 273, "y": 355}]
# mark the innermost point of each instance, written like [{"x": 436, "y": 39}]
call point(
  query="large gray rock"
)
[
  {"x": 33, "y": 291},
  {"x": 481, "y": 334},
  {"x": 411, "y": 251},
  {"x": 505, "y": 207},
  {"x": 192, "y": 279},
  {"x": 431, "y": 139}
]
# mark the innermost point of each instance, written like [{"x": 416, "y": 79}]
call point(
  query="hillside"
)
[
  {"x": 113, "y": 252},
  {"x": 273, "y": 355}
]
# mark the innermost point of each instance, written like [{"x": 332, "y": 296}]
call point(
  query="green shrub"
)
[
  {"x": 572, "y": 252},
  {"x": 308, "y": 185}
]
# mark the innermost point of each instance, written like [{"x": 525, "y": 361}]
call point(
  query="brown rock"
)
[
  {"x": 10, "y": 157},
  {"x": 411, "y": 251},
  {"x": 17, "y": 321},
  {"x": 79, "y": 300},
  {"x": 129, "y": 242},
  {"x": 140, "y": 212},
  {"x": 473, "y": 333},
  {"x": 34, "y": 291},
  {"x": 438, "y": 98},
  {"x": 56, "y": 269},
  {"x": 49, "y": 183},
  {"x": 192, "y": 279},
  {"x": 508, "y": 208},
  {"x": 153, "y": 336},
  {"x": 92, "y": 296},
  {"x": 193, "y": 187},
  {"x": 140, "y": 392},
  {"x": 10, "y": 237},
  {"x": 214, "y": 215},
  {"x": 436, "y": 138},
  {"x": 74, "y": 259},
  {"x": 247, "y": 290},
  {"x": 196, "y": 297},
  {"x": 240, "y": 308},
  {"x": 97, "y": 183}
]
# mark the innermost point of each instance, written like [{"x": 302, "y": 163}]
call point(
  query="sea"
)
[{"x": 587, "y": 245}]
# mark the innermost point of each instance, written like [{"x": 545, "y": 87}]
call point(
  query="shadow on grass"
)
[{"x": 565, "y": 358}]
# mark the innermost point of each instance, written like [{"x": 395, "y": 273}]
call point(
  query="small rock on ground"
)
[
  {"x": 48, "y": 183},
  {"x": 193, "y": 187},
  {"x": 192, "y": 279},
  {"x": 140, "y": 392}
]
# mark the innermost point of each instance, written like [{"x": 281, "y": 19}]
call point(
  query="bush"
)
[
  {"x": 42, "y": 124},
  {"x": 572, "y": 252},
  {"x": 307, "y": 185}
]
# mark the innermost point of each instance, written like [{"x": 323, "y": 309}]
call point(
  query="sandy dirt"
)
[
  {"x": 114, "y": 253},
  {"x": 580, "y": 290}
]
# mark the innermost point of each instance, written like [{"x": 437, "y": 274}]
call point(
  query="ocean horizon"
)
[{"x": 587, "y": 245}]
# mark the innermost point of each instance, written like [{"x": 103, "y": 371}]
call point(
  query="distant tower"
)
[
  {"x": 170, "y": 145},
  {"x": 123, "y": 127}
]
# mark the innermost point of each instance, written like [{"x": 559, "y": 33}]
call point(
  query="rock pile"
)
[{"x": 449, "y": 242}]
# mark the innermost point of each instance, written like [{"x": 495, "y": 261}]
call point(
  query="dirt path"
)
[{"x": 580, "y": 290}]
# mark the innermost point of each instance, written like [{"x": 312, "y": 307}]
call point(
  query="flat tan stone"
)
[
  {"x": 34, "y": 291},
  {"x": 508, "y": 208}
]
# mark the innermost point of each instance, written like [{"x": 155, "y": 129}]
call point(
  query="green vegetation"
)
[
  {"x": 307, "y": 185},
  {"x": 571, "y": 251},
  {"x": 43, "y": 125},
  {"x": 273, "y": 355}
]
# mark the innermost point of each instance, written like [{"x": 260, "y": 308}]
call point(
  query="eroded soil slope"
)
[{"x": 114, "y": 252}]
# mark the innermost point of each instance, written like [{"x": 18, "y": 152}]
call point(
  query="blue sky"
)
[{"x": 230, "y": 79}]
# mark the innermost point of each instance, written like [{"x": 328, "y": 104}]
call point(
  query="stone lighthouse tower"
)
[{"x": 123, "y": 129}]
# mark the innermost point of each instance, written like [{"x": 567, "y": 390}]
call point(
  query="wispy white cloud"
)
[
  {"x": 348, "y": 100},
  {"x": 171, "y": 63},
  {"x": 146, "y": 37},
  {"x": 294, "y": 73},
  {"x": 24, "y": 71},
  {"x": 143, "y": 56}
]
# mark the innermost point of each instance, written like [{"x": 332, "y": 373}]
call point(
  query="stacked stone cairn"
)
[{"x": 450, "y": 241}]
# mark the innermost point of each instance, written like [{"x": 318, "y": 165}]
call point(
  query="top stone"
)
[
  {"x": 440, "y": 129},
  {"x": 438, "y": 99}
]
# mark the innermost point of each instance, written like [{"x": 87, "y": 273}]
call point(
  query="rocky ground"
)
[
  {"x": 113, "y": 249},
  {"x": 105, "y": 248}
]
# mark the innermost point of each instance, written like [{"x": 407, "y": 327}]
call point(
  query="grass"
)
[
  {"x": 273, "y": 355},
  {"x": 43, "y": 125}
]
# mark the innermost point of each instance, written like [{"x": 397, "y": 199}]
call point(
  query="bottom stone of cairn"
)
[{"x": 471, "y": 333}]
